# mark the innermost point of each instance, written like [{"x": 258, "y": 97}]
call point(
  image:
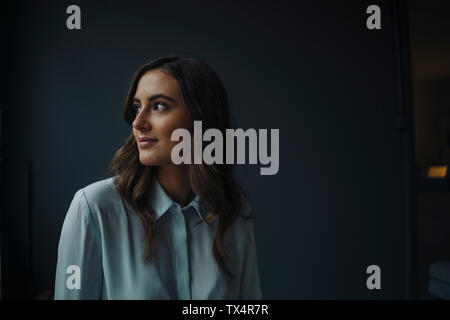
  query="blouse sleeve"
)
[
  {"x": 250, "y": 288},
  {"x": 79, "y": 267}
]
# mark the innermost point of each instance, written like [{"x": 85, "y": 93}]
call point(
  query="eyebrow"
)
[{"x": 157, "y": 96}]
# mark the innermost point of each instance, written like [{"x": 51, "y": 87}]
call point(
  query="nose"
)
[{"x": 142, "y": 121}]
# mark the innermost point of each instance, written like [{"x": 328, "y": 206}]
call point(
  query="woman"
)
[{"x": 156, "y": 230}]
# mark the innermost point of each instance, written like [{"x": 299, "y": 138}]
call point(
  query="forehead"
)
[{"x": 156, "y": 81}]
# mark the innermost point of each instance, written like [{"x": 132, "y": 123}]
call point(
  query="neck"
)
[{"x": 174, "y": 180}]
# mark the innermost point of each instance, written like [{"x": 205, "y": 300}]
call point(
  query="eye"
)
[
  {"x": 160, "y": 106},
  {"x": 136, "y": 108}
]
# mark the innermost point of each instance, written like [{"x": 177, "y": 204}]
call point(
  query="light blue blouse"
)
[{"x": 103, "y": 237}]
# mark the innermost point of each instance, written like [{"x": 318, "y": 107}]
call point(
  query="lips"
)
[
  {"x": 143, "y": 139},
  {"x": 146, "y": 142}
]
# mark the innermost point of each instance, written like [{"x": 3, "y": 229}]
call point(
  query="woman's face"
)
[{"x": 159, "y": 109}]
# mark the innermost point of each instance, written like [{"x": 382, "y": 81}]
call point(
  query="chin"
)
[{"x": 148, "y": 161}]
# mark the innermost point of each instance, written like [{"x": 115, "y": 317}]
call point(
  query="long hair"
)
[{"x": 205, "y": 98}]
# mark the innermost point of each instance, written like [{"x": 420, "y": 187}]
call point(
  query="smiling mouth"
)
[{"x": 146, "y": 143}]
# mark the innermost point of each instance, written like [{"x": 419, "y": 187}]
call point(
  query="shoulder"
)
[
  {"x": 243, "y": 226},
  {"x": 101, "y": 193},
  {"x": 90, "y": 209},
  {"x": 101, "y": 198}
]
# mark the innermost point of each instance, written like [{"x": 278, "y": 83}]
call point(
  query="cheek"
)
[
  {"x": 165, "y": 126},
  {"x": 164, "y": 131}
]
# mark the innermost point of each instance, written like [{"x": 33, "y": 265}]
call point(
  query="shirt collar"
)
[{"x": 161, "y": 202}]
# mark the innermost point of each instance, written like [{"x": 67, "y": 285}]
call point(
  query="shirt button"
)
[{"x": 177, "y": 208}]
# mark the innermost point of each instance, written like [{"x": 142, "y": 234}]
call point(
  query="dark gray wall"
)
[{"x": 310, "y": 68}]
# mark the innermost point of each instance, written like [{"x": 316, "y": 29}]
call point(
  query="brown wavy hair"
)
[{"x": 206, "y": 100}]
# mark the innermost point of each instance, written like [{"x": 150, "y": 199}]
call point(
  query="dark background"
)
[
  {"x": 339, "y": 93},
  {"x": 430, "y": 57}
]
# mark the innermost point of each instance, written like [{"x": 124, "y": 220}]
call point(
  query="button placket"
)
[{"x": 181, "y": 258}]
